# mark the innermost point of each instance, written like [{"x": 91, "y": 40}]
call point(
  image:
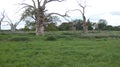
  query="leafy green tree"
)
[
  {"x": 51, "y": 27},
  {"x": 30, "y": 25},
  {"x": 64, "y": 26},
  {"x": 78, "y": 24},
  {"x": 116, "y": 28},
  {"x": 109, "y": 27},
  {"x": 89, "y": 24},
  {"x": 102, "y": 23}
]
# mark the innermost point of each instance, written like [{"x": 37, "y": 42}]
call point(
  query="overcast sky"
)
[{"x": 96, "y": 9}]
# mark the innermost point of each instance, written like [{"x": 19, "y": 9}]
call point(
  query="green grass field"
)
[{"x": 60, "y": 50}]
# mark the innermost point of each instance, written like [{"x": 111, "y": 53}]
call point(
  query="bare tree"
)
[
  {"x": 2, "y": 18},
  {"x": 37, "y": 12},
  {"x": 82, "y": 8},
  {"x": 12, "y": 25}
]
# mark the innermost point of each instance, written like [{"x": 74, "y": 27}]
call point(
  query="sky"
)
[{"x": 95, "y": 10}]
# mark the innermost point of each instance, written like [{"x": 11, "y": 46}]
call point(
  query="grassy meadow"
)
[{"x": 60, "y": 49}]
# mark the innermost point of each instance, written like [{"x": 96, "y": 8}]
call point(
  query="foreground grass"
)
[{"x": 35, "y": 51}]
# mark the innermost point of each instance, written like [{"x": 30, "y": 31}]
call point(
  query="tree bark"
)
[
  {"x": 40, "y": 18},
  {"x": 39, "y": 29},
  {"x": 85, "y": 26},
  {"x": 13, "y": 29}
]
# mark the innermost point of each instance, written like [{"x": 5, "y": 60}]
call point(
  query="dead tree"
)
[
  {"x": 82, "y": 11},
  {"x": 2, "y": 18},
  {"x": 12, "y": 25},
  {"x": 38, "y": 13}
]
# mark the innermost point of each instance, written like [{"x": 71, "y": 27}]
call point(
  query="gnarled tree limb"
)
[
  {"x": 34, "y": 3},
  {"x": 55, "y": 0},
  {"x": 26, "y": 5}
]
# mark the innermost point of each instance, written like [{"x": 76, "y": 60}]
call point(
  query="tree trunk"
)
[
  {"x": 85, "y": 25},
  {"x": 39, "y": 29},
  {"x": 40, "y": 18},
  {"x": 13, "y": 28},
  {"x": 0, "y": 26}
]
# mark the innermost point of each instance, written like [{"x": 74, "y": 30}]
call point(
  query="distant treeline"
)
[{"x": 73, "y": 26}]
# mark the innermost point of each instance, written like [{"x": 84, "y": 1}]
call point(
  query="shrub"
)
[
  {"x": 67, "y": 33},
  {"x": 31, "y": 33},
  {"x": 51, "y": 38}
]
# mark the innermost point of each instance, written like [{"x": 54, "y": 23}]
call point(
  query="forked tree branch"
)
[
  {"x": 10, "y": 21},
  {"x": 76, "y": 10},
  {"x": 17, "y": 22},
  {"x": 38, "y": 2},
  {"x": 26, "y": 5},
  {"x": 3, "y": 16},
  {"x": 55, "y": 14},
  {"x": 45, "y": 2},
  {"x": 34, "y": 3},
  {"x": 65, "y": 15}
]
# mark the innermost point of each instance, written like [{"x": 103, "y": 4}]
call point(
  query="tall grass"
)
[{"x": 64, "y": 52}]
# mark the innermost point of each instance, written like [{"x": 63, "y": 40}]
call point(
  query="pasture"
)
[{"x": 60, "y": 49}]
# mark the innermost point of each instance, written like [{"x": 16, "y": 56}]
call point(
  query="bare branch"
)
[
  {"x": 44, "y": 3},
  {"x": 1, "y": 19},
  {"x": 17, "y": 22},
  {"x": 38, "y": 3},
  {"x": 59, "y": 15},
  {"x": 56, "y": 0},
  {"x": 76, "y": 10},
  {"x": 3, "y": 16},
  {"x": 55, "y": 14},
  {"x": 26, "y": 5},
  {"x": 33, "y": 17},
  {"x": 82, "y": 6},
  {"x": 34, "y": 3},
  {"x": 9, "y": 20}
]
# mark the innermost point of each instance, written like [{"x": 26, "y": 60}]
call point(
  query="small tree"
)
[
  {"x": 30, "y": 25},
  {"x": 102, "y": 23},
  {"x": 89, "y": 23},
  {"x": 79, "y": 24},
  {"x": 51, "y": 27}
]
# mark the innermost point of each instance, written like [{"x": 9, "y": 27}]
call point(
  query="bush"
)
[
  {"x": 51, "y": 38},
  {"x": 67, "y": 33},
  {"x": 31, "y": 33}
]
